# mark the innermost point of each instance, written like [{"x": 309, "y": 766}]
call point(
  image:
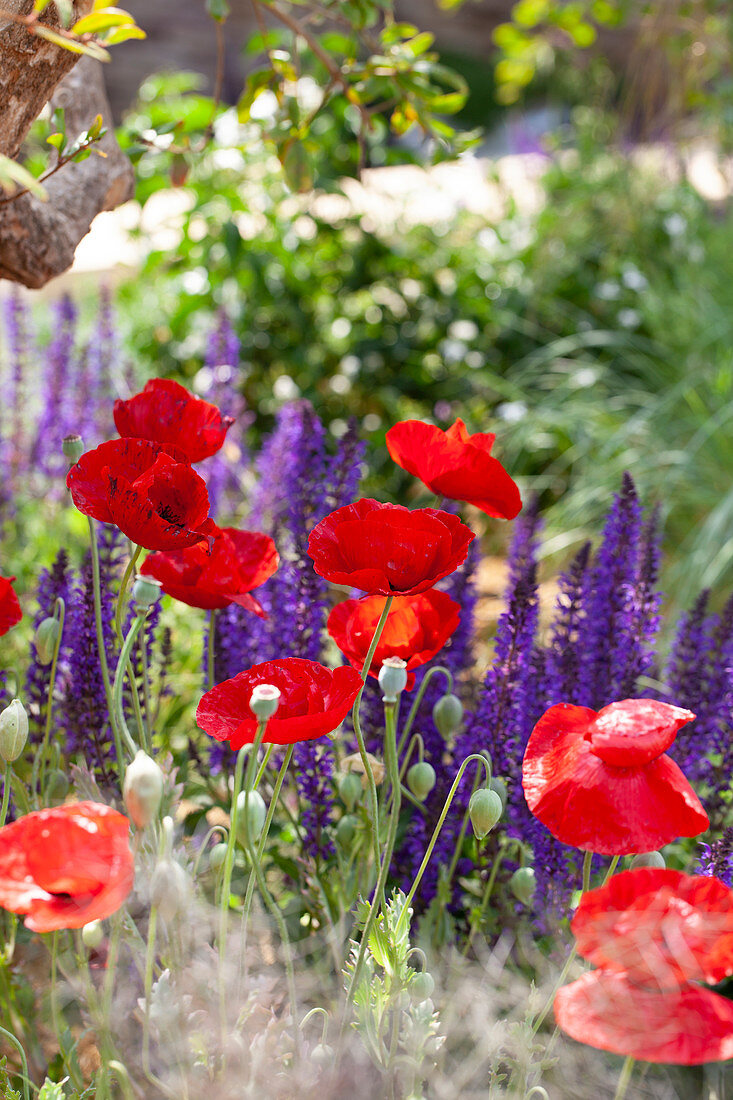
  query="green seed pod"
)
[
  {"x": 57, "y": 786},
  {"x": 499, "y": 786},
  {"x": 346, "y": 831},
  {"x": 648, "y": 859},
  {"x": 47, "y": 635},
  {"x": 92, "y": 935},
  {"x": 421, "y": 779},
  {"x": 522, "y": 884},
  {"x": 73, "y": 447},
  {"x": 484, "y": 809},
  {"x": 421, "y": 987},
  {"x": 217, "y": 855},
  {"x": 448, "y": 714},
  {"x": 254, "y": 812},
  {"x": 13, "y": 731},
  {"x": 264, "y": 701},
  {"x": 350, "y": 788},
  {"x": 392, "y": 678}
]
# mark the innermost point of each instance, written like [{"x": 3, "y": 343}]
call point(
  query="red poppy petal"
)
[
  {"x": 635, "y": 731},
  {"x": 481, "y": 481},
  {"x": 658, "y": 923},
  {"x": 686, "y": 1027},
  {"x": 10, "y": 609},
  {"x": 165, "y": 412}
]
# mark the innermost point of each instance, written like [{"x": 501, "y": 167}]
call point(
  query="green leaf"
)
[
  {"x": 57, "y": 140},
  {"x": 101, "y": 20},
  {"x": 7, "y": 1092},
  {"x": 41, "y": 5},
  {"x": 12, "y": 173},
  {"x": 123, "y": 34},
  {"x": 50, "y": 1090},
  {"x": 91, "y": 49}
]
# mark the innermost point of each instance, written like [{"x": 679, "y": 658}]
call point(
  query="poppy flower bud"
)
[
  {"x": 355, "y": 764},
  {"x": 73, "y": 447},
  {"x": 392, "y": 678},
  {"x": 322, "y": 1055},
  {"x": 170, "y": 888},
  {"x": 254, "y": 811},
  {"x": 421, "y": 779},
  {"x": 484, "y": 809},
  {"x": 142, "y": 791},
  {"x": 13, "y": 731},
  {"x": 448, "y": 714},
  {"x": 145, "y": 591},
  {"x": 346, "y": 831},
  {"x": 499, "y": 786},
  {"x": 47, "y": 635},
  {"x": 350, "y": 788},
  {"x": 217, "y": 855},
  {"x": 264, "y": 701},
  {"x": 92, "y": 935},
  {"x": 648, "y": 859},
  {"x": 522, "y": 884},
  {"x": 421, "y": 987}
]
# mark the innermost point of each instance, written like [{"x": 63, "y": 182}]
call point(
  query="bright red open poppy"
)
[
  {"x": 150, "y": 493},
  {"x": 455, "y": 464},
  {"x": 237, "y": 562},
  {"x": 602, "y": 782},
  {"x": 65, "y": 866},
  {"x": 386, "y": 549},
  {"x": 10, "y": 612},
  {"x": 658, "y": 925},
  {"x": 417, "y": 628},
  {"x": 314, "y": 700},
  {"x": 684, "y": 1026},
  {"x": 165, "y": 412}
]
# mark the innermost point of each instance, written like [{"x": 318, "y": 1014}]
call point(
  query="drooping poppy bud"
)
[
  {"x": 13, "y": 731},
  {"x": 448, "y": 715},
  {"x": 421, "y": 779},
  {"x": 484, "y": 809},
  {"x": 92, "y": 935},
  {"x": 143, "y": 789},
  {"x": 522, "y": 884},
  {"x": 253, "y": 812},
  {"x": 349, "y": 788},
  {"x": 346, "y": 831},
  {"x": 421, "y": 987},
  {"x": 46, "y": 639},
  {"x": 170, "y": 889},
  {"x": 654, "y": 860}
]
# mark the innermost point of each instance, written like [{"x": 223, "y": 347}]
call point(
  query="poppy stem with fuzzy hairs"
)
[
  {"x": 211, "y": 651},
  {"x": 6, "y": 793},
  {"x": 125, "y": 665},
  {"x": 130, "y": 569},
  {"x": 623, "y": 1082},
  {"x": 374, "y": 804},
  {"x": 23, "y": 1060}
]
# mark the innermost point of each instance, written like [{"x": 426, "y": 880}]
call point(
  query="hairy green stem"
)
[
  {"x": 625, "y": 1077},
  {"x": 419, "y": 698},
  {"x": 210, "y": 651},
  {"x": 119, "y": 609},
  {"x": 124, "y": 665},
  {"x": 6, "y": 793},
  {"x": 23, "y": 1060}
]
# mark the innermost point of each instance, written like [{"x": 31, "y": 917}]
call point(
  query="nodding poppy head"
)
[
  {"x": 602, "y": 782},
  {"x": 165, "y": 412},
  {"x": 455, "y": 464}
]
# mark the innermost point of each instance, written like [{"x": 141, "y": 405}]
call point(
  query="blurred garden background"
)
[{"x": 514, "y": 213}]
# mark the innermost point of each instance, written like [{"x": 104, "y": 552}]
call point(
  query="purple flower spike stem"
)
[
  {"x": 221, "y": 385},
  {"x": 53, "y": 583},
  {"x": 14, "y": 440},
  {"x": 59, "y": 410}
]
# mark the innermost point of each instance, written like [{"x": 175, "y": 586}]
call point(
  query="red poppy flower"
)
[
  {"x": 149, "y": 492},
  {"x": 237, "y": 562},
  {"x": 10, "y": 612},
  {"x": 387, "y": 549},
  {"x": 602, "y": 782},
  {"x": 658, "y": 925},
  {"x": 455, "y": 464},
  {"x": 165, "y": 412},
  {"x": 313, "y": 701},
  {"x": 65, "y": 866},
  {"x": 685, "y": 1026},
  {"x": 416, "y": 628}
]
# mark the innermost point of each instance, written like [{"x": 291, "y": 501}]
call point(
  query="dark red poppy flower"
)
[
  {"x": 416, "y": 628},
  {"x": 10, "y": 612},
  {"x": 165, "y": 412},
  {"x": 659, "y": 926},
  {"x": 150, "y": 493},
  {"x": 602, "y": 782},
  {"x": 455, "y": 464},
  {"x": 684, "y": 1026},
  {"x": 313, "y": 701},
  {"x": 386, "y": 549},
  {"x": 65, "y": 866},
  {"x": 215, "y": 577}
]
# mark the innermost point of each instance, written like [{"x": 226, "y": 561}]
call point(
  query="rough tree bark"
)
[{"x": 38, "y": 239}]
